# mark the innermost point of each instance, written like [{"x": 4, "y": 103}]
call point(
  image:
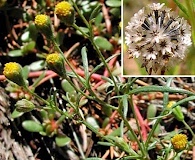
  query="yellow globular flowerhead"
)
[
  {"x": 41, "y": 20},
  {"x": 179, "y": 142},
  {"x": 56, "y": 63},
  {"x": 65, "y": 12},
  {"x": 13, "y": 72},
  {"x": 43, "y": 24},
  {"x": 63, "y": 8}
]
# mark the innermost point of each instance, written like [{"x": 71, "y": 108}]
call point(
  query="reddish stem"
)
[
  {"x": 143, "y": 125},
  {"x": 107, "y": 18},
  {"x": 95, "y": 76}
]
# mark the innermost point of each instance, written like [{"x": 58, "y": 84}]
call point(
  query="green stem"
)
[
  {"x": 100, "y": 55},
  {"x": 165, "y": 101},
  {"x": 132, "y": 132},
  {"x": 105, "y": 64},
  {"x": 78, "y": 28},
  {"x": 37, "y": 96},
  {"x": 66, "y": 60},
  {"x": 104, "y": 137},
  {"x": 160, "y": 89},
  {"x": 188, "y": 127},
  {"x": 77, "y": 142},
  {"x": 61, "y": 119},
  {"x": 80, "y": 14}
]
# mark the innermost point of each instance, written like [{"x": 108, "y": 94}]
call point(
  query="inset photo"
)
[{"x": 158, "y": 38}]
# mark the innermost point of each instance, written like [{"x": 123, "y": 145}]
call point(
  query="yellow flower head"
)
[
  {"x": 53, "y": 58},
  {"x": 11, "y": 68},
  {"x": 63, "y": 8},
  {"x": 170, "y": 104},
  {"x": 43, "y": 24},
  {"x": 65, "y": 12},
  {"x": 56, "y": 63},
  {"x": 41, "y": 20},
  {"x": 13, "y": 72},
  {"x": 179, "y": 141}
]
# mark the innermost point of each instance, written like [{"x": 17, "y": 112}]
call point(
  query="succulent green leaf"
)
[
  {"x": 113, "y": 3},
  {"x": 37, "y": 65},
  {"x": 15, "y": 53},
  {"x": 16, "y": 114},
  {"x": 32, "y": 126},
  {"x": 62, "y": 140},
  {"x": 103, "y": 43}
]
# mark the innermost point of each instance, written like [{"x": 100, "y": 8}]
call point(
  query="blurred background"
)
[{"x": 131, "y": 66}]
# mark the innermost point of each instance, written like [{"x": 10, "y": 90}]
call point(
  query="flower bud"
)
[
  {"x": 56, "y": 63},
  {"x": 178, "y": 114},
  {"x": 13, "y": 72},
  {"x": 24, "y": 106},
  {"x": 179, "y": 142},
  {"x": 176, "y": 111},
  {"x": 65, "y": 12},
  {"x": 43, "y": 24}
]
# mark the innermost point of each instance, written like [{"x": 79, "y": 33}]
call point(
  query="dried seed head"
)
[{"x": 158, "y": 37}]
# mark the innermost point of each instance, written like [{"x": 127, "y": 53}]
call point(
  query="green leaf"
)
[
  {"x": 16, "y": 114},
  {"x": 25, "y": 72},
  {"x": 181, "y": 7},
  {"x": 92, "y": 122},
  {"x": 25, "y": 36},
  {"x": 15, "y": 53},
  {"x": 28, "y": 47},
  {"x": 113, "y": 3},
  {"x": 32, "y": 126},
  {"x": 103, "y": 43},
  {"x": 67, "y": 87},
  {"x": 98, "y": 19},
  {"x": 62, "y": 140},
  {"x": 115, "y": 11},
  {"x": 95, "y": 12},
  {"x": 37, "y": 65},
  {"x": 33, "y": 31},
  {"x": 59, "y": 38},
  {"x": 84, "y": 29},
  {"x": 151, "y": 111},
  {"x": 85, "y": 61}
]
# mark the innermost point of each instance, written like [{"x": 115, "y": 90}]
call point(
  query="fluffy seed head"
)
[{"x": 157, "y": 36}]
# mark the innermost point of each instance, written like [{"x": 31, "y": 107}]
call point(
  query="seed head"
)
[{"x": 158, "y": 37}]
